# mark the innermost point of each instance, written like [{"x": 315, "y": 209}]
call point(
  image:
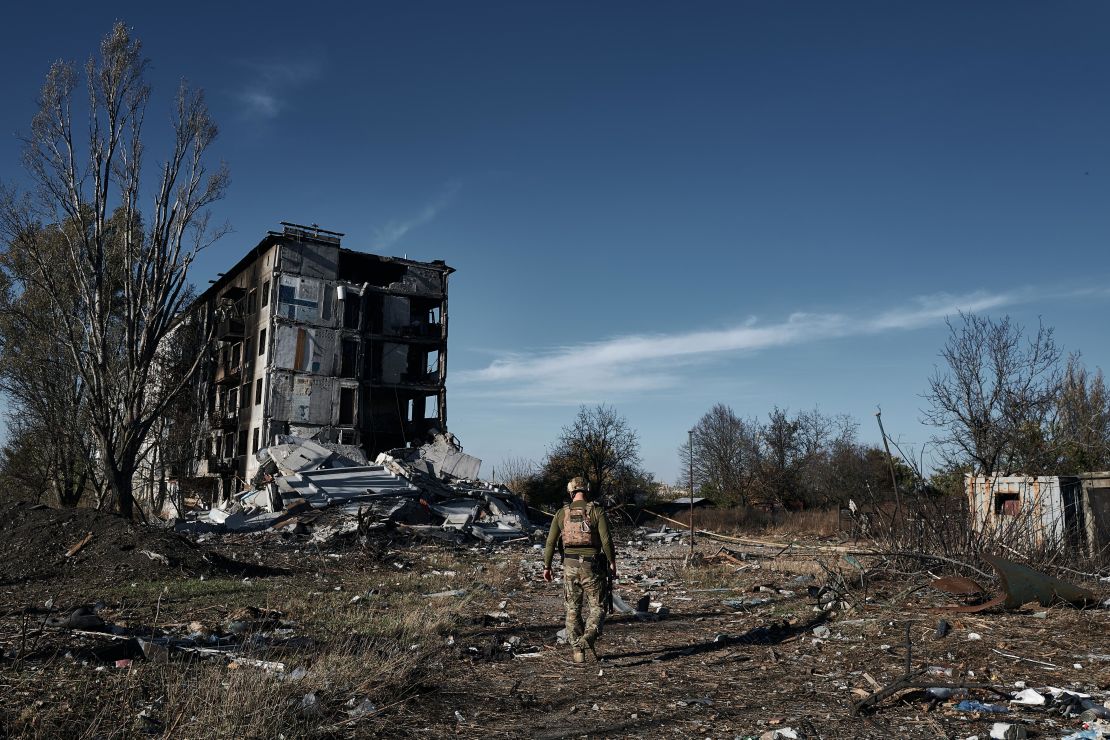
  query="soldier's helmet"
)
[{"x": 578, "y": 484}]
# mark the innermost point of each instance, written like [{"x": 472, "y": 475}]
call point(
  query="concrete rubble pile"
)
[{"x": 431, "y": 490}]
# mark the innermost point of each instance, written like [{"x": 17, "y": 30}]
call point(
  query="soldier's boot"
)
[
  {"x": 589, "y": 645},
  {"x": 578, "y": 656}
]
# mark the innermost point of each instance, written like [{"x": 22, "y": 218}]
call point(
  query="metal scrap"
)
[
  {"x": 1022, "y": 584},
  {"x": 957, "y": 585}
]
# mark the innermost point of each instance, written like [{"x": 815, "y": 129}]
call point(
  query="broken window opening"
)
[
  {"x": 236, "y": 354},
  {"x": 352, "y": 310},
  {"x": 1007, "y": 504},
  {"x": 375, "y": 309},
  {"x": 254, "y": 441},
  {"x": 433, "y": 362},
  {"x": 265, "y": 303},
  {"x": 252, "y": 302},
  {"x": 408, "y": 410},
  {"x": 346, "y": 406},
  {"x": 348, "y": 361},
  {"x": 369, "y": 268},
  {"x": 261, "y": 342},
  {"x": 431, "y": 407},
  {"x": 241, "y": 448},
  {"x": 258, "y": 392},
  {"x": 233, "y": 400}
]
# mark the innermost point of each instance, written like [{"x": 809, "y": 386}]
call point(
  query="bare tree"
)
[
  {"x": 1082, "y": 423},
  {"x": 46, "y": 398},
  {"x": 515, "y": 472},
  {"x": 726, "y": 455},
  {"x": 601, "y": 446},
  {"x": 994, "y": 395},
  {"x": 781, "y": 458},
  {"x": 122, "y": 278}
]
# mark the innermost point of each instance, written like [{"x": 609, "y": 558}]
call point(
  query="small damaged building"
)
[
  {"x": 322, "y": 342},
  {"x": 1048, "y": 511}
]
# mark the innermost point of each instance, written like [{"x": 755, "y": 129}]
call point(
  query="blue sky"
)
[{"x": 660, "y": 206}]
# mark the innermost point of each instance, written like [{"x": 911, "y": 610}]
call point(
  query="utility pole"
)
[
  {"x": 691, "y": 445},
  {"x": 890, "y": 462}
]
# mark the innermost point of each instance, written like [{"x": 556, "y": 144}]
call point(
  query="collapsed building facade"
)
[
  {"x": 317, "y": 341},
  {"x": 1048, "y": 511}
]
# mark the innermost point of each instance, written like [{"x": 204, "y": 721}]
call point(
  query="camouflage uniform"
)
[
  {"x": 581, "y": 580},
  {"x": 583, "y": 573}
]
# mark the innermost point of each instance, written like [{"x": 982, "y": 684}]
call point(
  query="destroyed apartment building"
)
[
  {"x": 323, "y": 359},
  {"x": 318, "y": 341}
]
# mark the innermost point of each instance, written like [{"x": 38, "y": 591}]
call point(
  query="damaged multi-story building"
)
[{"x": 315, "y": 340}]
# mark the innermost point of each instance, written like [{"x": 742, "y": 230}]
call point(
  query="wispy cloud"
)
[
  {"x": 635, "y": 364},
  {"x": 394, "y": 231},
  {"x": 269, "y": 85}
]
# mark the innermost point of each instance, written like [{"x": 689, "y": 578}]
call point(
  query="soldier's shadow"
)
[{"x": 772, "y": 634}]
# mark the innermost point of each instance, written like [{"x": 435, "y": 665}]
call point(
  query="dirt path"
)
[
  {"x": 708, "y": 670},
  {"x": 734, "y": 653}
]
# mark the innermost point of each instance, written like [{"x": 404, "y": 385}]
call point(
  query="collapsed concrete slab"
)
[{"x": 427, "y": 490}]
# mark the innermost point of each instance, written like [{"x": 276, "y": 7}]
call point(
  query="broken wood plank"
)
[{"x": 79, "y": 546}]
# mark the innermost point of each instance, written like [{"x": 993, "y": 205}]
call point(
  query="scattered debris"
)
[
  {"x": 971, "y": 705},
  {"x": 430, "y": 491}
]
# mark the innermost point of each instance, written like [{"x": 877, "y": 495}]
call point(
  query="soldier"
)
[{"x": 588, "y": 561}]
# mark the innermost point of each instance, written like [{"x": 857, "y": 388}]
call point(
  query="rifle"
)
[{"x": 602, "y": 562}]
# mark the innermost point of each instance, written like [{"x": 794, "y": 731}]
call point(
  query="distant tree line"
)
[
  {"x": 1002, "y": 400},
  {"x": 800, "y": 460}
]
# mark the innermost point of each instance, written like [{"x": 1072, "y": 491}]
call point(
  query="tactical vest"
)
[{"x": 577, "y": 528}]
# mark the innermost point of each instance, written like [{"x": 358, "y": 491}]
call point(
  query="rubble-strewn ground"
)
[{"x": 408, "y": 638}]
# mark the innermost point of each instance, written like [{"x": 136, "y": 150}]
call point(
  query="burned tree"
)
[{"x": 120, "y": 279}]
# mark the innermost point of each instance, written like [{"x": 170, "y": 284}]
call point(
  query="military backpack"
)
[{"x": 578, "y": 528}]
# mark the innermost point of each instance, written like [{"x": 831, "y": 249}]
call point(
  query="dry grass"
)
[
  {"x": 744, "y": 520},
  {"x": 207, "y": 699},
  {"x": 383, "y": 647}
]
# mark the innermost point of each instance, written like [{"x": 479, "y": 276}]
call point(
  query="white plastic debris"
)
[
  {"x": 362, "y": 708},
  {"x": 974, "y": 636},
  {"x": 782, "y": 733},
  {"x": 1029, "y": 697},
  {"x": 1008, "y": 731}
]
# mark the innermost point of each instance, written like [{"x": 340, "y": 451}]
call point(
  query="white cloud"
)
[
  {"x": 270, "y": 84},
  {"x": 394, "y": 231},
  {"x": 652, "y": 362}
]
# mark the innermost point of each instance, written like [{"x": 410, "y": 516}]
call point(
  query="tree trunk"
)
[{"x": 122, "y": 485}]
